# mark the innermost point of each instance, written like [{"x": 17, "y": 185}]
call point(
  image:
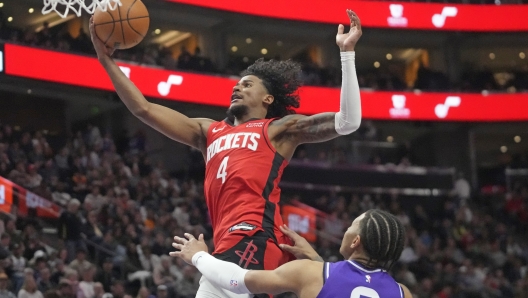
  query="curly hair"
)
[{"x": 282, "y": 80}]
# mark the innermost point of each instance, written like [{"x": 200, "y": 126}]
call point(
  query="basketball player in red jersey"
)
[{"x": 246, "y": 153}]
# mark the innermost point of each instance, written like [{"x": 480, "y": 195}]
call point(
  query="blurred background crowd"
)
[{"x": 121, "y": 209}]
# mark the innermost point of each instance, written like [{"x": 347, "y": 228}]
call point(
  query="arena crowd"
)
[{"x": 120, "y": 210}]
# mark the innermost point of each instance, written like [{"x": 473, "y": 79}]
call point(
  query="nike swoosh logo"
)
[{"x": 217, "y": 130}]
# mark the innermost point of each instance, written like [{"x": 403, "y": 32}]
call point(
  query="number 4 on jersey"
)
[{"x": 222, "y": 169}]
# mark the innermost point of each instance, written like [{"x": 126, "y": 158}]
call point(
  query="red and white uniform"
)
[{"x": 242, "y": 174}]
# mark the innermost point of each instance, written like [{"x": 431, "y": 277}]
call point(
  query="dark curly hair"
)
[
  {"x": 282, "y": 80},
  {"x": 383, "y": 236}
]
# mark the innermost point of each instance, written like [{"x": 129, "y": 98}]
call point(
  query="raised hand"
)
[
  {"x": 100, "y": 48},
  {"x": 301, "y": 249},
  {"x": 188, "y": 247},
  {"x": 347, "y": 41}
]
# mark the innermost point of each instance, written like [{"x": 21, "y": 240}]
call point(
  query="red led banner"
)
[
  {"x": 216, "y": 90},
  {"x": 384, "y": 14}
]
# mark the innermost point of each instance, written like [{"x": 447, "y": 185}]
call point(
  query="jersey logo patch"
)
[
  {"x": 368, "y": 278},
  {"x": 217, "y": 130},
  {"x": 244, "y": 226},
  {"x": 258, "y": 124},
  {"x": 247, "y": 256}
]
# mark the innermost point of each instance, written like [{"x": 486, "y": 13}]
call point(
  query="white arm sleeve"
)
[
  {"x": 221, "y": 273},
  {"x": 348, "y": 119}
]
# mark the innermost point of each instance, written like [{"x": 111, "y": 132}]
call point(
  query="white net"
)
[{"x": 63, "y": 7}]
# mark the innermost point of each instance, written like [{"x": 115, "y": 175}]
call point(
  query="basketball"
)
[{"x": 123, "y": 27}]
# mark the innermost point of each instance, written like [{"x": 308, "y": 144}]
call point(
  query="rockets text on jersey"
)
[{"x": 229, "y": 141}]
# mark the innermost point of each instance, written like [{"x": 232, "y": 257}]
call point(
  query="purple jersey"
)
[{"x": 349, "y": 279}]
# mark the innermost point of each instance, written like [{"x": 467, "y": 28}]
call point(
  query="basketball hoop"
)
[{"x": 77, "y": 6}]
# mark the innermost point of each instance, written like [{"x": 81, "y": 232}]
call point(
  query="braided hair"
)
[
  {"x": 282, "y": 80},
  {"x": 382, "y": 236}
]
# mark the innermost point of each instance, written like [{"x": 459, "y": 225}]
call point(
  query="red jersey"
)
[{"x": 242, "y": 173}]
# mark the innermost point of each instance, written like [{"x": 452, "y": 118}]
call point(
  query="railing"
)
[
  {"x": 99, "y": 250},
  {"x": 370, "y": 177},
  {"x": 27, "y": 202},
  {"x": 32, "y": 206},
  {"x": 515, "y": 175}
]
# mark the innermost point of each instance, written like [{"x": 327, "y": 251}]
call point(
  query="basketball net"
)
[{"x": 63, "y": 7}]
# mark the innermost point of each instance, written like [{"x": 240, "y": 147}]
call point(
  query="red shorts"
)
[{"x": 258, "y": 251}]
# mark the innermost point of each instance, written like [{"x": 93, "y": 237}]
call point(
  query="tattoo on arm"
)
[{"x": 314, "y": 129}]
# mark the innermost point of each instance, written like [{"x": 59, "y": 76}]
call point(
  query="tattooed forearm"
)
[{"x": 314, "y": 129}]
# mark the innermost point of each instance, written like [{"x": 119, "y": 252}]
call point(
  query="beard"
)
[{"x": 237, "y": 112}]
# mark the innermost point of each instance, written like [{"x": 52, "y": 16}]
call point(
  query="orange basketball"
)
[{"x": 124, "y": 27}]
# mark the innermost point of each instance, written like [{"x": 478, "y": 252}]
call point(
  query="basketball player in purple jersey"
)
[{"x": 370, "y": 246}]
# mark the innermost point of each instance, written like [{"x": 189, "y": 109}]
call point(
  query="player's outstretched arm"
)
[
  {"x": 296, "y": 276},
  {"x": 326, "y": 126},
  {"x": 189, "y": 131}
]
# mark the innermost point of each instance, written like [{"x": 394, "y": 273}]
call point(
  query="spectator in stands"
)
[
  {"x": 118, "y": 289},
  {"x": 70, "y": 228},
  {"x": 80, "y": 264},
  {"x": 143, "y": 293},
  {"x": 65, "y": 289},
  {"x": 462, "y": 189},
  {"x": 44, "y": 283},
  {"x": 86, "y": 286},
  {"x": 10, "y": 229},
  {"x": 185, "y": 59},
  {"x": 92, "y": 228},
  {"x": 58, "y": 272},
  {"x": 98, "y": 290},
  {"x": 60, "y": 196},
  {"x": 29, "y": 288},
  {"x": 148, "y": 260},
  {"x": 18, "y": 175},
  {"x": 33, "y": 248},
  {"x": 72, "y": 276},
  {"x": 159, "y": 248},
  {"x": 162, "y": 273},
  {"x": 5, "y": 241},
  {"x": 106, "y": 275},
  {"x": 333, "y": 225},
  {"x": 4, "y": 292},
  {"x": 18, "y": 264},
  {"x": 162, "y": 292},
  {"x": 187, "y": 286},
  {"x": 95, "y": 198}
]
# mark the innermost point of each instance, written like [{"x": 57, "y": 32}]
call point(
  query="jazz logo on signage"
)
[
  {"x": 164, "y": 87},
  {"x": 125, "y": 70},
  {"x": 399, "y": 110},
  {"x": 441, "y": 110},
  {"x": 396, "y": 19},
  {"x": 299, "y": 223},
  {"x": 440, "y": 18}
]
